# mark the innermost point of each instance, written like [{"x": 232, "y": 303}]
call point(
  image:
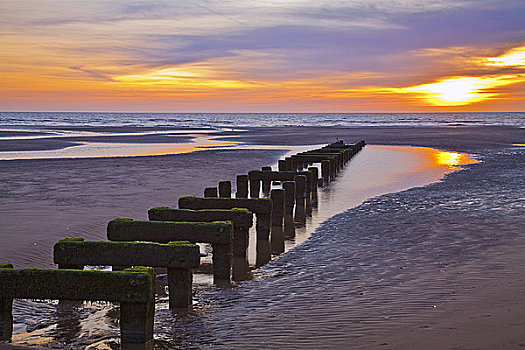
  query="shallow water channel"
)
[{"x": 376, "y": 170}]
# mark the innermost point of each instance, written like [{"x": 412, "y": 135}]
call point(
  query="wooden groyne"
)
[
  {"x": 261, "y": 207},
  {"x": 133, "y": 288},
  {"x": 242, "y": 220},
  {"x": 180, "y": 258},
  {"x": 281, "y": 200},
  {"x": 219, "y": 234}
]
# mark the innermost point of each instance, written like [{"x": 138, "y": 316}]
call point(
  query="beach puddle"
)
[
  {"x": 374, "y": 171},
  {"x": 96, "y": 149}
]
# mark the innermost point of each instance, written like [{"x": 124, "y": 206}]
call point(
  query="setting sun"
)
[{"x": 461, "y": 90}]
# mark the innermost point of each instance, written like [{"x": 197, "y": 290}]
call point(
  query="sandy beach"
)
[{"x": 435, "y": 267}]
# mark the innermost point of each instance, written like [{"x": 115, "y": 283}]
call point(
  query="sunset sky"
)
[{"x": 262, "y": 56}]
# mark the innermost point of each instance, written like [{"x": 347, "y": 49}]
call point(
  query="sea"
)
[
  {"x": 402, "y": 263},
  {"x": 227, "y": 120}
]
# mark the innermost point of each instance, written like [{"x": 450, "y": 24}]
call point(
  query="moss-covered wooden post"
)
[
  {"x": 69, "y": 266},
  {"x": 266, "y": 185},
  {"x": 6, "y": 312},
  {"x": 210, "y": 192},
  {"x": 179, "y": 257},
  {"x": 219, "y": 234},
  {"x": 315, "y": 181},
  {"x": 262, "y": 207},
  {"x": 325, "y": 171},
  {"x": 289, "y": 202},
  {"x": 133, "y": 288},
  {"x": 282, "y": 165},
  {"x": 242, "y": 220},
  {"x": 277, "y": 235},
  {"x": 300, "y": 184},
  {"x": 242, "y": 186},
  {"x": 225, "y": 189}
]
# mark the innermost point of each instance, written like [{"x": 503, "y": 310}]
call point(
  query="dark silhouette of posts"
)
[
  {"x": 289, "y": 202},
  {"x": 242, "y": 186},
  {"x": 242, "y": 220},
  {"x": 225, "y": 189},
  {"x": 210, "y": 192},
  {"x": 325, "y": 171},
  {"x": 277, "y": 234},
  {"x": 315, "y": 180},
  {"x": 300, "y": 200},
  {"x": 266, "y": 185},
  {"x": 257, "y": 176},
  {"x": 262, "y": 207},
  {"x": 289, "y": 164},
  {"x": 255, "y": 188},
  {"x": 133, "y": 288},
  {"x": 282, "y": 165}
]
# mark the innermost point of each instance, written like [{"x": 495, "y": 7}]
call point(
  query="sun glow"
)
[
  {"x": 461, "y": 90},
  {"x": 188, "y": 77},
  {"x": 514, "y": 58}
]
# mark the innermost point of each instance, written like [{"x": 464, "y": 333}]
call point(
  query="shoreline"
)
[
  {"x": 424, "y": 136},
  {"x": 155, "y": 169}
]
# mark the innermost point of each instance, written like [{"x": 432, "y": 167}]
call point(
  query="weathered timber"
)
[
  {"x": 210, "y": 192},
  {"x": 242, "y": 186},
  {"x": 277, "y": 234},
  {"x": 219, "y": 234},
  {"x": 289, "y": 202},
  {"x": 261, "y": 207},
  {"x": 289, "y": 164},
  {"x": 178, "y": 257},
  {"x": 225, "y": 189},
  {"x": 300, "y": 200},
  {"x": 242, "y": 220},
  {"x": 265, "y": 184},
  {"x": 325, "y": 171},
  {"x": 309, "y": 188},
  {"x": 309, "y": 158},
  {"x": 133, "y": 288},
  {"x": 282, "y": 165},
  {"x": 315, "y": 181}
]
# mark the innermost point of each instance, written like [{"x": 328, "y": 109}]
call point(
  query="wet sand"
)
[{"x": 44, "y": 200}]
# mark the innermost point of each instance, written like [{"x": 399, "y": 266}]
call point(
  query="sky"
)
[{"x": 262, "y": 56}]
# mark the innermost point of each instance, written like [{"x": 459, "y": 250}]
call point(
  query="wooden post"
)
[
  {"x": 225, "y": 189},
  {"x": 266, "y": 185},
  {"x": 325, "y": 171},
  {"x": 242, "y": 186},
  {"x": 315, "y": 181},
  {"x": 289, "y": 202},
  {"x": 277, "y": 235},
  {"x": 210, "y": 192},
  {"x": 255, "y": 188},
  {"x": 300, "y": 184},
  {"x": 282, "y": 165}
]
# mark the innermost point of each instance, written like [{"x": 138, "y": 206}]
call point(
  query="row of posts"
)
[{"x": 168, "y": 240}]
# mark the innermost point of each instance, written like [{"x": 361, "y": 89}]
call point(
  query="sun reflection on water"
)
[{"x": 452, "y": 159}]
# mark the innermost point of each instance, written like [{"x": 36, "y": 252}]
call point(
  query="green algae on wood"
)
[
  {"x": 240, "y": 217},
  {"x": 133, "y": 288},
  {"x": 111, "y": 253}
]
